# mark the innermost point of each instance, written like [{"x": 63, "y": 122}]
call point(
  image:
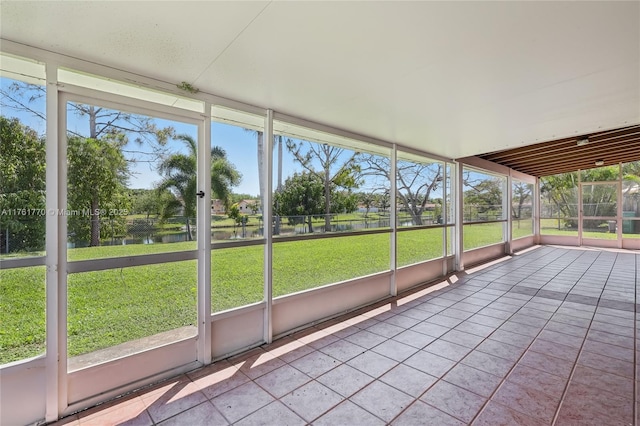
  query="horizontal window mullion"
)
[
  {"x": 23, "y": 262},
  {"x": 478, "y": 222},
  {"x": 219, "y": 245},
  {"x": 277, "y": 239},
  {"x": 417, "y": 227},
  {"x": 129, "y": 261}
]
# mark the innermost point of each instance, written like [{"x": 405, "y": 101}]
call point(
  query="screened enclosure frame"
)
[{"x": 269, "y": 318}]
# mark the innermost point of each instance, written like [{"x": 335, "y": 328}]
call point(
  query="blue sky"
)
[{"x": 239, "y": 144}]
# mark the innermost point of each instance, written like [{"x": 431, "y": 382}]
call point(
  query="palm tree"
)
[{"x": 180, "y": 171}]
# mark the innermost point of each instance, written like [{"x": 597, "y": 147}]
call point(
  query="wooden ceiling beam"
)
[
  {"x": 627, "y": 147},
  {"x": 565, "y": 155},
  {"x": 548, "y": 147},
  {"x": 553, "y": 169}
]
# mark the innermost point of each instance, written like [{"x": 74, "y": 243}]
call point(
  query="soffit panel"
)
[
  {"x": 453, "y": 78},
  {"x": 170, "y": 41}
]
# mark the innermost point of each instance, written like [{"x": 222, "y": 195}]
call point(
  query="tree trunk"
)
[
  {"x": 310, "y": 224},
  {"x": 279, "y": 188},
  {"x": 93, "y": 128},
  {"x": 95, "y": 222},
  {"x": 520, "y": 209},
  {"x": 327, "y": 202},
  {"x": 410, "y": 203},
  {"x": 95, "y": 213},
  {"x": 276, "y": 231},
  {"x": 261, "y": 182},
  {"x": 189, "y": 237},
  {"x": 417, "y": 217}
]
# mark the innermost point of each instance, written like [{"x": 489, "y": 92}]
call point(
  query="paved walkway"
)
[{"x": 546, "y": 337}]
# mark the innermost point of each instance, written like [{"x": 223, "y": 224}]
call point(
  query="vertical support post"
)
[
  {"x": 580, "y": 209},
  {"x": 63, "y": 400},
  {"x": 393, "y": 221},
  {"x": 620, "y": 209},
  {"x": 204, "y": 238},
  {"x": 56, "y": 249},
  {"x": 459, "y": 215},
  {"x": 51, "y": 244},
  {"x": 267, "y": 225},
  {"x": 507, "y": 205},
  {"x": 445, "y": 218},
  {"x": 537, "y": 211}
]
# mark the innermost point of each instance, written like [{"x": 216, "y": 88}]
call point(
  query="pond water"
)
[{"x": 225, "y": 233}]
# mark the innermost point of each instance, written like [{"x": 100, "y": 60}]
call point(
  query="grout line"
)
[
  {"x": 575, "y": 365},
  {"x": 517, "y": 362},
  {"x": 635, "y": 344},
  {"x": 474, "y": 348}
]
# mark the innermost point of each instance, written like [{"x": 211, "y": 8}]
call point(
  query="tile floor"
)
[{"x": 546, "y": 337}]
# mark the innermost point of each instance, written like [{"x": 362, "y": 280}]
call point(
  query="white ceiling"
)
[{"x": 452, "y": 78}]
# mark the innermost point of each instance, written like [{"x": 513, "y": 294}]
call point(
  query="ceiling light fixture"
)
[
  {"x": 583, "y": 141},
  {"x": 599, "y": 163}
]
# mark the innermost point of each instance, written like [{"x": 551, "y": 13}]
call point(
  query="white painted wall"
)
[
  {"x": 297, "y": 310},
  {"x": 413, "y": 275},
  {"x": 116, "y": 377},
  {"x": 522, "y": 243},
  {"x": 22, "y": 392},
  {"x": 236, "y": 330},
  {"x": 483, "y": 254}
]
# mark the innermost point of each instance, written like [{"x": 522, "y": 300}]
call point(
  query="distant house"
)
[
  {"x": 217, "y": 206},
  {"x": 245, "y": 206},
  {"x": 249, "y": 206}
]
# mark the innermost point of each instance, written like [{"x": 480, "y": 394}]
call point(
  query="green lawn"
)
[
  {"x": 22, "y": 317},
  {"x": 300, "y": 265},
  {"x": 417, "y": 245},
  {"x": 113, "y": 306},
  {"x": 481, "y": 234},
  {"x": 521, "y": 228},
  {"x": 551, "y": 227}
]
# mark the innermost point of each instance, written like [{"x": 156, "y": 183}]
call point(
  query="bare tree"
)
[
  {"x": 335, "y": 170},
  {"x": 104, "y": 124},
  {"x": 416, "y": 182},
  {"x": 522, "y": 192}
]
